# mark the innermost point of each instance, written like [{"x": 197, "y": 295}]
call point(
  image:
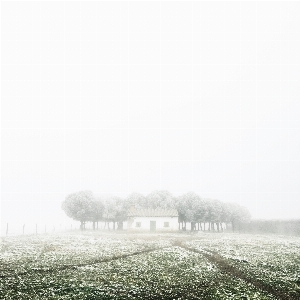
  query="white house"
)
[{"x": 153, "y": 219}]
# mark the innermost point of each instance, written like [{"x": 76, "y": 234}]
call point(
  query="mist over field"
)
[
  {"x": 121, "y": 97},
  {"x": 150, "y": 150}
]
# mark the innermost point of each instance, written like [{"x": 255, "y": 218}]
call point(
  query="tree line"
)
[{"x": 84, "y": 206}]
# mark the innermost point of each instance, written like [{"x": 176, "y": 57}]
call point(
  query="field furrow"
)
[
  {"x": 107, "y": 266},
  {"x": 269, "y": 263}
]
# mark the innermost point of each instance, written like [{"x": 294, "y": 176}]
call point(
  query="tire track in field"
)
[
  {"x": 229, "y": 269},
  {"x": 74, "y": 267}
]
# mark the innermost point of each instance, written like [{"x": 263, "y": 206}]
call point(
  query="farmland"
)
[{"x": 100, "y": 265}]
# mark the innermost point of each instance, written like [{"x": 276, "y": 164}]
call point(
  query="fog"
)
[{"x": 120, "y": 97}]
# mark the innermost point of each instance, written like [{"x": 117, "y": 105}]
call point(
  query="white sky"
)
[{"x": 117, "y": 97}]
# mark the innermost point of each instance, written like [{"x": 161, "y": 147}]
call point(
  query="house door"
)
[{"x": 152, "y": 225}]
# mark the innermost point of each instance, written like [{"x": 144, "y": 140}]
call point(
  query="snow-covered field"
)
[{"x": 102, "y": 265}]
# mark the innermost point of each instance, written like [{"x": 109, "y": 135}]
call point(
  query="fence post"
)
[
  {"x": 6, "y": 228},
  {"x": 23, "y": 229}
]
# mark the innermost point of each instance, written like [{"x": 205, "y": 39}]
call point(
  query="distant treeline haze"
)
[{"x": 83, "y": 206}]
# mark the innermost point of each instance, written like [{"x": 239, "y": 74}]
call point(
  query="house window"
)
[
  {"x": 166, "y": 224},
  {"x": 138, "y": 224}
]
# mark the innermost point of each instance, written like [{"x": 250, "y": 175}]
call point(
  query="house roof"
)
[{"x": 148, "y": 212}]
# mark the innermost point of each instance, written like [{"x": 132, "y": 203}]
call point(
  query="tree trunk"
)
[
  {"x": 82, "y": 226},
  {"x": 94, "y": 225},
  {"x": 120, "y": 225}
]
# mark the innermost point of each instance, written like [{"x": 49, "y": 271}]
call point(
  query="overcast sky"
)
[{"x": 117, "y": 97}]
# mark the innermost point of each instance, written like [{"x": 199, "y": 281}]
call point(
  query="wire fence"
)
[
  {"x": 19, "y": 229},
  {"x": 12, "y": 229}
]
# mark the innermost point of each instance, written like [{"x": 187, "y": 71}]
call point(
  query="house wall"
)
[{"x": 145, "y": 223}]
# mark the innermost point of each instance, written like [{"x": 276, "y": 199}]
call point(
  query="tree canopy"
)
[
  {"x": 83, "y": 206},
  {"x": 80, "y": 206}
]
